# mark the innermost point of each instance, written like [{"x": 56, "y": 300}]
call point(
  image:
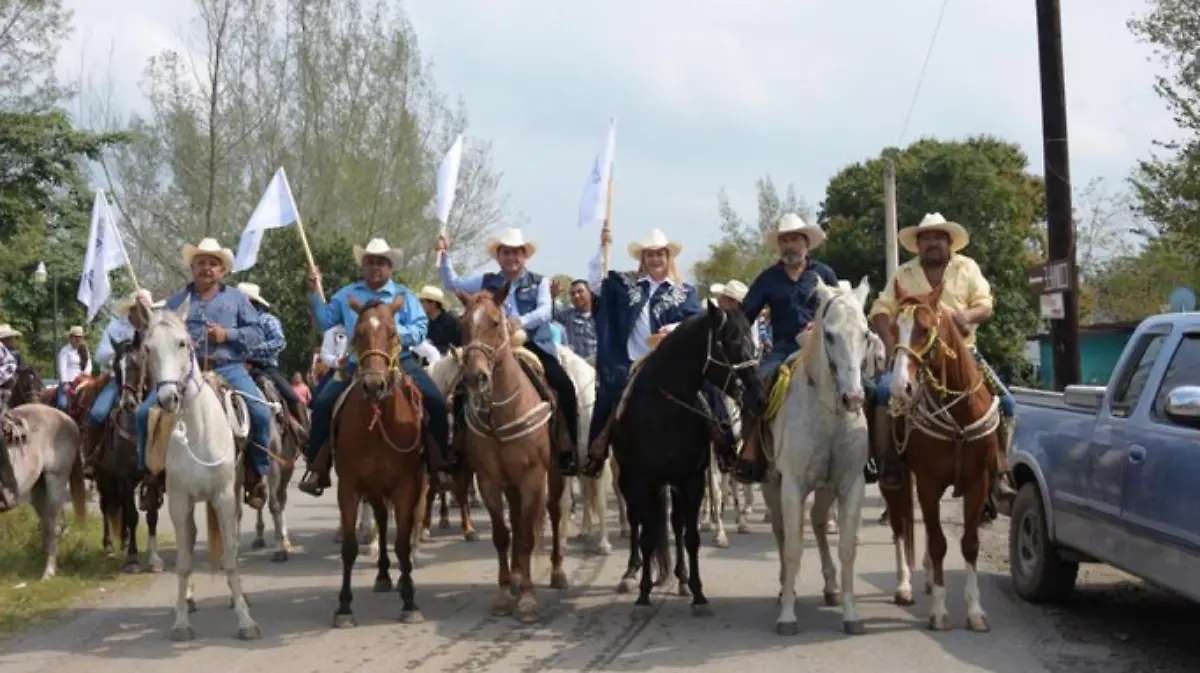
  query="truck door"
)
[{"x": 1161, "y": 490}]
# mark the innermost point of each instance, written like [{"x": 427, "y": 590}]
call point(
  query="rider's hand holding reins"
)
[
  {"x": 962, "y": 320},
  {"x": 441, "y": 243},
  {"x": 217, "y": 333}
]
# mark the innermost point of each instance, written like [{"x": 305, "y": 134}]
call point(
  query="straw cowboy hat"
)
[
  {"x": 509, "y": 238},
  {"x": 75, "y": 331},
  {"x": 959, "y": 238},
  {"x": 791, "y": 222},
  {"x": 211, "y": 248},
  {"x": 126, "y": 304},
  {"x": 6, "y": 331},
  {"x": 254, "y": 292},
  {"x": 433, "y": 294},
  {"x": 655, "y": 240},
  {"x": 735, "y": 290},
  {"x": 716, "y": 289},
  {"x": 377, "y": 247}
]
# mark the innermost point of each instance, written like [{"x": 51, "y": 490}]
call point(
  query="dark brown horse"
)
[
  {"x": 27, "y": 387},
  {"x": 947, "y": 440},
  {"x": 377, "y": 454}
]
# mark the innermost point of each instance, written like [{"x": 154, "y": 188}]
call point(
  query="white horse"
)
[
  {"x": 284, "y": 451},
  {"x": 594, "y": 526},
  {"x": 200, "y": 462},
  {"x": 821, "y": 447}
]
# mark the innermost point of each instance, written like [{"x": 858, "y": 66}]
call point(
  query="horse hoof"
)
[
  {"x": 642, "y": 612},
  {"x": 280, "y": 556},
  {"x": 258, "y": 543},
  {"x": 383, "y": 585},
  {"x": 939, "y": 622},
  {"x": 527, "y": 613},
  {"x": 182, "y": 634},
  {"x": 978, "y": 624},
  {"x": 928, "y": 588},
  {"x": 444, "y": 524},
  {"x": 411, "y": 617},
  {"x": 249, "y": 633},
  {"x": 346, "y": 621},
  {"x": 471, "y": 536},
  {"x": 903, "y": 597},
  {"x": 832, "y": 598},
  {"x": 625, "y": 586},
  {"x": 721, "y": 542},
  {"x": 702, "y": 610},
  {"x": 502, "y": 607},
  {"x": 743, "y": 528},
  {"x": 558, "y": 579},
  {"x": 787, "y": 628},
  {"x": 191, "y": 605},
  {"x": 425, "y": 534},
  {"x": 854, "y": 628},
  {"x": 131, "y": 567},
  {"x": 337, "y": 537}
]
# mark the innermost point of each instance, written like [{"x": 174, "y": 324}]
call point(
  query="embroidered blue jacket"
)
[{"x": 622, "y": 296}]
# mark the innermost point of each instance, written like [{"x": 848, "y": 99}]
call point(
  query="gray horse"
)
[{"x": 43, "y": 461}]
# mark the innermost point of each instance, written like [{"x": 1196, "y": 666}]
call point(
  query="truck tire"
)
[{"x": 1038, "y": 573}]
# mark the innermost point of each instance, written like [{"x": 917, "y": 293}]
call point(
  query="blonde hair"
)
[{"x": 672, "y": 268}]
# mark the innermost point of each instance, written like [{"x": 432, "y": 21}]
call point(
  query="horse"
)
[
  {"x": 377, "y": 441},
  {"x": 510, "y": 433},
  {"x": 950, "y": 441},
  {"x": 661, "y": 438},
  {"x": 27, "y": 387},
  {"x": 201, "y": 461},
  {"x": 283, "y": 450},
  {"x": 593, "y": 529}
]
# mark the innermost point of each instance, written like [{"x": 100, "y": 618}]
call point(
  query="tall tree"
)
[{"x": 31, "y": 32}]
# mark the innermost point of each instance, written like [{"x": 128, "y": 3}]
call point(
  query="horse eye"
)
[{"x": 182, "y": 343}]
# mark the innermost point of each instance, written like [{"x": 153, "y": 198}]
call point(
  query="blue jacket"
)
[{"x": 621, "y": 299}]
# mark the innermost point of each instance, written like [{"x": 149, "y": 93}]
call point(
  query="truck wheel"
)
[{"x": 1039, "y": 574}]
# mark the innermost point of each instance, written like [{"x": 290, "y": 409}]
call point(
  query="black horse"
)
[
  {"x": 26, "y": 387},
  {"x": 662, "y": 438}
]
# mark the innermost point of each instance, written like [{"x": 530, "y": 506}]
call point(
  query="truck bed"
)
[{"x": 1077, "y": 399}]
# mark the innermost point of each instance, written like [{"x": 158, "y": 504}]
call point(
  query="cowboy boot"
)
[
  {"x": 255, "y": 483},
  {"x": 567, "y": 462},
  {"x": 751, "y": 466},
  {"x": 891, "y": 469},
  {"x": 1005, "y": 491},
  {"x": 316, "y": 477},
  {"x": 598, "y": 452},
  {"x": 92, "y": 439}
]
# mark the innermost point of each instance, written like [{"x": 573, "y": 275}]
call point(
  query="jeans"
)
[
  {"x": 62, "y": 397},
  {"x": 260, "y": 416},
  {"x": 1008, "y": 405},
  {"x": 610, "y": 384},
  {"x": 103, "y": 405},
  {"x": 284, "y": 386}
]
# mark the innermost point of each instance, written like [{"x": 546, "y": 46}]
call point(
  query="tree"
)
[
  {"x": 982, "y": 183},
  {"x": 31, "y": 32}
]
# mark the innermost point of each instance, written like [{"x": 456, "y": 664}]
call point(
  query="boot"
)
[
  {"x": 92, "y": 439},
  {"x": 316, "y": 477},
  {"x": 1004, "y": 488},
  {"x": 566, "y": 460},
  {"x": 598, "y": 452},
  {"x": 891, "y": 470},
  {"x": 751, "y": 468}
]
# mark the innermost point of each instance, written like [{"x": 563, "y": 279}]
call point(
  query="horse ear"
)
[
  {"x": 183, "y": 309},
  {"x": 462, "y": 297},
  {"x": 823, "y": 291},
  {"x": 714, "y": 312},
  {"x": 398, "y": 303},
  {"x": 500, "y": 295},
  {"x": 355, "y": 305},
  {"x": 863, "y": 290}
]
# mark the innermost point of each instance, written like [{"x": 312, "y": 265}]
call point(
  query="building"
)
[{"x": 1100, "y": 346}]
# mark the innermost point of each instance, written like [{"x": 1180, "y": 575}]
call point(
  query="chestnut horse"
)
[
  {"x": 949, "y": 440},
  {"x": 508, "y": 440},
  {"x": 377, "y": 453}
]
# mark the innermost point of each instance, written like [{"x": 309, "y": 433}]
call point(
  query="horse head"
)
[
  {"x": 730, "y": 362},
  {"x": 844, "y": 341},
  {"x": 127, "y": 372},
  {"x": 376, "y": 343},
  {"x": 487, "y": 333},
  {"x": 926, "y": 338},
  {"x": 27, "y": 386},
  {"x": 167, "y": 354}
]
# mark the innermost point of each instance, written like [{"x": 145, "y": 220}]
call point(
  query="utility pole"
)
[
  {"x": 891, "y": 253},
  {"x": 1060, "y": 227}
]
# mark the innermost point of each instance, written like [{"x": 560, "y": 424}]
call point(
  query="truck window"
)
[
  {"x": 1183, "y": 370},
  {"x": 1133, "y": 377}
]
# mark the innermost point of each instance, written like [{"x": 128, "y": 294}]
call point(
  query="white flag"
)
[
  {"x": 105, "y": 252},
  {"x": 275, "y": 209},
  {"x": 594, "y": 204},
  {"x": 447, "y": 180}
]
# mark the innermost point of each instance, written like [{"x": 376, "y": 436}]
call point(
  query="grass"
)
[{"x": 83, "y": 567}]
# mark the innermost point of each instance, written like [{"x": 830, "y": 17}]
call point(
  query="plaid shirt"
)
[
  {"x": 579, "y": 330},
  {"x": 273, "y": 342},
  {"x": 8, "y": 364}
]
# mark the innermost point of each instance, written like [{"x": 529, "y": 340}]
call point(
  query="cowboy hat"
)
[
  {"x": 211, "y": 248},
  {"x": 7, "y": 331},
  {"x": 715, "y": 289},
  {"x": 433, "y": 294},
  {"x": 735, "y": 290},
  {"x": 75, "y": 331},
  {"x": 655, "y": 240},
  {"x": 509, "y": 238},
  {"x": 791, "y": 222},
  {"x": 254, "y": 293},
  {"x": 377, "y": 247},
  {"x": 959, "y": 238},
  {"x": 127, "y": 303}
]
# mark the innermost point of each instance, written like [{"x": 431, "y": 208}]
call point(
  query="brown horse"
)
[
  {"x": 508, "y": 442},
  {"x": 377, "y": 454},
  {"x": 948, "y": 440}
]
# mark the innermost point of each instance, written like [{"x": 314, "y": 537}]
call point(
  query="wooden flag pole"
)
[
  {"x": 607, "y": 225},
  {"x": 308, "y": 252}
]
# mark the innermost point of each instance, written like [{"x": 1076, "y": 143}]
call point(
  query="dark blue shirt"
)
[{"x": 793, "y": 302}]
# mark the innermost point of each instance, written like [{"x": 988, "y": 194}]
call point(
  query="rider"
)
[
  {"x": 730, "y": 296},
  {"x": 528, "y": 299},
  {"x": 8, "y": 337},
  {"x": 787, "y": 289},
  {"x": 8, "y": 479},
  {"x": 123, "y": 326},
  {"x": 224, "y": 327},
  {"x": 968, "y": 296},
  {"x": 331, "y": 356},
  {"x": 264, "y": 358},
  {"x": 444, "y": 330},
  {"x": 377, "y": 261},
  {"x": 74, "y": 361}
]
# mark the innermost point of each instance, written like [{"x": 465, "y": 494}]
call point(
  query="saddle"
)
[
  {"x": 286, "y": 421},
  {"x": 161, "y": 425}
]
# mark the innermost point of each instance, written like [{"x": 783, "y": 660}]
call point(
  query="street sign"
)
[
  {"x": 1037, "y": 278},
  {"x": 1182, "y": 300},
  {"x": 1050, "y": 278},
  {"x": 1053, "y": 307}
]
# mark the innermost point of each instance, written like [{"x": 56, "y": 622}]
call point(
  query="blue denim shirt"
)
[
  {"x": 231, "y": 309},
  {"x": 411, "y": 321},
  {"x": 793, "y": 303},
  {"x": 273, "y": 341}
]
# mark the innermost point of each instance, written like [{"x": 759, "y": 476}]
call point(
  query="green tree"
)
[
  {"x": 31, "y": 32},
  {"x": 982, "y": 183}
]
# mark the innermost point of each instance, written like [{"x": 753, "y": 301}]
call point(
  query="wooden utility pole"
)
[
  {"x": 1060, "y": 227},
  {"x": 891, "y": 253}
]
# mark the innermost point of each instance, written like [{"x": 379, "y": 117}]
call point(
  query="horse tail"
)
[
  {"x": 215, "y": 548},
  {"x": 78, "y": 491}
]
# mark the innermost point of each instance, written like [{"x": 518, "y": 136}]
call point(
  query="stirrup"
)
[{"x": 310, "y": 483}]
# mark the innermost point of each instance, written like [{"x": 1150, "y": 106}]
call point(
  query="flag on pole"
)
[
  {"x": 275, "y": 209},
  {"x": 447, "y": 181},
  {"x": 594, "y": 204},
  {"x": 105, "y": 252}
]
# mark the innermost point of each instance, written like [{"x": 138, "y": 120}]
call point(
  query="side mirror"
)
[{"x": 1183, "y": 405}]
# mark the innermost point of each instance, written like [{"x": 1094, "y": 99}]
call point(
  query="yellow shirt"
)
[{"x": 965, "y": 288}]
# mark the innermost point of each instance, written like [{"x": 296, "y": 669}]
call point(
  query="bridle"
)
[
  {"x": 725, "y": 362},
  {"x": 394, "y": 377}
]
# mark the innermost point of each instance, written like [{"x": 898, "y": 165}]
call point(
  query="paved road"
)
[{"x": 587, "y": 627}]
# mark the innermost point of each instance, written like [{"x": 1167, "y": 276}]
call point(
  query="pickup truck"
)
[{"x": 1111, "y": 474}]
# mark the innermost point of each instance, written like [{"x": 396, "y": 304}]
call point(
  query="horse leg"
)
[
  {"x": 278, "y": 506},
  {"x": 678, "y": 523},
  {"x": 744, "y": 496},
  {"x": 154, "y": 562},
  {"x": 260, "y": 528},
  {"x": 558, "y": 523},
  {"x": 898, "y": 512},
  {"x": 129, "y": 525},
  {"x": 47, "y": 502},
  {"x": 689, "y": 502},
  {"x": 383, "y": 577},
  {"x": 622, "y": 510},
  {"x": 493, "y": 500},
  {"x": 181, "y": 508},
  {"x": 443, "y": 511},
  {"x": 406, "y": 503},
  {"x": 462, "y": 494},
  {"x": 427, "y": 519},
  {"x": 935, "y": 541},
  {"x": 648, "y": 502},
  {"x": 106, "y": 505},
  {"x": 365, "y": 530},
  {"x": 530, "y": 500},
  {"x": 226, "y": 507},
  {"x": 349, "y": 506},
  {"x": 716, "y": 503},
  {"x": 849, "y": 508},
  {"x": 597, "y": 504},
  {"x": 771, "y": 497},
  {"x": 974, "y": 500},
  {"x": 791, "y": 510},
  {"x": 820, "y": 515}
]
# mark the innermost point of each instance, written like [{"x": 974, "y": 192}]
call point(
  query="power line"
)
[{"x": 924, "y": 66}]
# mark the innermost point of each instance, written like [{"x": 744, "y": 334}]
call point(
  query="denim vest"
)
[
  {"x": 622, "y": 297},
  {"x": 525, "y": 295}
]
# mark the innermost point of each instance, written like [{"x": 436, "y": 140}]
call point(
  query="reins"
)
[{"x": 395, "y": 379}]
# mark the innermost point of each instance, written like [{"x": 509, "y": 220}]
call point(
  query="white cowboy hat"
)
[
  {"x": 735, "y": 290},
  {"x": 433, "y": 294},
  {"x": 75, "y": 331},
  {"x": 715, "y": 289},
  {"x": 377, "y": 247},
  {"x": 6, "y": 331},
  {"x": 210, "y": 247},
  {"x": 655, "y": 240},
  {"x": 509, "y": 238},
  {"x": 254, "y": 292},
  {"x": 126, "y": 304},
  {"x": 959, "y": 238},
  {"x": 792, "y": 222}
]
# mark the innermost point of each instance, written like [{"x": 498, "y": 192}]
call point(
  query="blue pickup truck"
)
[{"x": 1111, "y": 474}]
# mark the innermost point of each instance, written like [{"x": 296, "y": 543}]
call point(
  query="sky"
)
[{"x": 713, "y": 94}]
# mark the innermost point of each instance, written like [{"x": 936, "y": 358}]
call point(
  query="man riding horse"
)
[
  {"x": 968, "y": 297},
  {"x": 8, "y": 478},
  {"x": 377, "y": 260},
  {"x": 224, "y": 327},
  {"x": 528, "y": 301},
  {"x": 74, "y": 365},
  {"x": 788, "y": 289},
  {"x": 264, "y": 358}
]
